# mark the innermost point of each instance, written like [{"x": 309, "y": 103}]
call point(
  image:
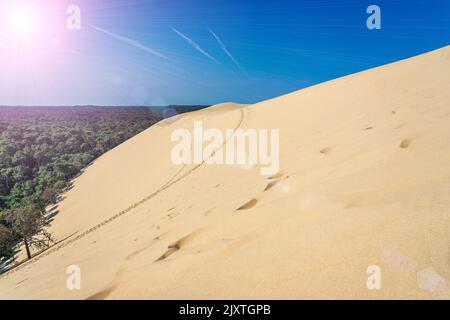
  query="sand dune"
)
[{"x": 364, "y": 180}]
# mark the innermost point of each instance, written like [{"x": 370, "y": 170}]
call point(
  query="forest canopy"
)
[{"x": 43, "y": 148}]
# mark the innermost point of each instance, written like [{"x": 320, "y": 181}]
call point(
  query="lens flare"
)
[
  {"x": 20, "y": 21},
  {"x": 31, "y": 46}
]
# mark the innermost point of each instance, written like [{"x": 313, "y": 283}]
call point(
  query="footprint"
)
[
  {"x": 275, "y": 180},
  {"x": 405, "y": 143},
  {"x": 171, "y": 249},
  {"x": 368, "y": 128},
  {"x": 173, "y": 215},
  {"x": 248, "y": 205},
  {"x": 276, "y": 176},
  {"x": 270, "y": 185},
  {"x": 325, "y": 150},
  {"x": 208, "y": 212},
  {"x": 101, "y": 295}
]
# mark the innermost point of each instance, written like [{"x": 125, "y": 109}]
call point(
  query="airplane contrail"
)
[
  {"x": 131, "y": 42},
  {"x": 195, "y": 45},
  {"x": 228, "y": 53}
]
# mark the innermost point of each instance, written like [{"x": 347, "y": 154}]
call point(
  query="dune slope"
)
[{"x": 364, "y": 181}]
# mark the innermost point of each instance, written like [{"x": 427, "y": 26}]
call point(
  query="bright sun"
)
[{"x": 21, "y": 20}]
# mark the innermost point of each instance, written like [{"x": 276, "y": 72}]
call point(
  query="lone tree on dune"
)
[
  {"x": 7, "y": 242},
  {"x": 28, "y": 224}
]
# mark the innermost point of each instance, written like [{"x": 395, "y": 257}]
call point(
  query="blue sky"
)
[{"x": 159, "y": 52}]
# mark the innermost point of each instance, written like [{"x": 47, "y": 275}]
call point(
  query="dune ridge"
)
[{"x": 363, "y": 181}]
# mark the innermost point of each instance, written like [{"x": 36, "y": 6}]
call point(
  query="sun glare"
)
[
  {"x": 30, "y": 38},
  {"x": 21, "y": 20}
]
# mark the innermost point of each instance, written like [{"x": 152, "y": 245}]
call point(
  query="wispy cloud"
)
[
  {"x": 195, "y": 45},
  {"x": 228, "y": 53},
  {"x": 131, "y": 42}
]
